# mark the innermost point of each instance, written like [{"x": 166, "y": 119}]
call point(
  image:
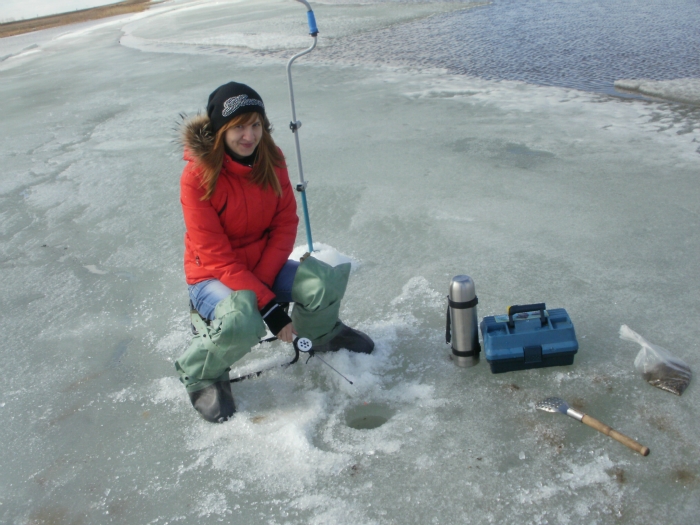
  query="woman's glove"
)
[{"x": 275, "y": 317}]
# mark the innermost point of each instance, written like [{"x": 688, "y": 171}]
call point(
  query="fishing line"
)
[{"x": 329, "y": 366}]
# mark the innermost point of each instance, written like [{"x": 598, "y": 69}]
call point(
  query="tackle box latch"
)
[{"x": 532, "y": 354}]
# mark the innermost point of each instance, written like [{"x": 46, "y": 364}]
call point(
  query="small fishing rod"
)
[
  {"x": 301, "y": 344},
  {"x": 284, "y": 365}
]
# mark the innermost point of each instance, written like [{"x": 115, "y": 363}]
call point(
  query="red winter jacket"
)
[{"x": 243, "y": 235}]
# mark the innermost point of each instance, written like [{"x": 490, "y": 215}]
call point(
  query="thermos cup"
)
[{"x": 462, "y": 324}]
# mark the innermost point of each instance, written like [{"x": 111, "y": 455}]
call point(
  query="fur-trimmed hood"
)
[{"x": 197, "y": 138}]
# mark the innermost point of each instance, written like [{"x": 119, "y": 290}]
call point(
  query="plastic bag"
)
[{"x": 658, "y": 366}]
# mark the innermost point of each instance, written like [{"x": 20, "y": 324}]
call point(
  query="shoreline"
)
[{"x": 19, "y": 27}]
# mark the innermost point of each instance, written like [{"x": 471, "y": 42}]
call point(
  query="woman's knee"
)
[
  {"x": 206, "y": 295},
  {"x": 282, "y": 286}
]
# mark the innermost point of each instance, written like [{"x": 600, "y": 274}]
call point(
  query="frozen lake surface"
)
[{"x": 541, "y": 193}]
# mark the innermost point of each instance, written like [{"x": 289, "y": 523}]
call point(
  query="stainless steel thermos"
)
[{"x": 462, "y": 324}]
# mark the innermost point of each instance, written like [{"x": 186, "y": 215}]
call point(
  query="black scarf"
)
[{"x": 246, "y": 161}]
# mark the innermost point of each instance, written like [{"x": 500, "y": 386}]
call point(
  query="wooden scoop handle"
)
[{"x": 605, "y": 429}]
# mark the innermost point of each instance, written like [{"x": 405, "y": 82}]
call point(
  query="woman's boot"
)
[
  {"x": 317, "y": 291},
  {"x": 215, "y": 402},
  {"x": 204, "y": 366},
  {"x": 348, "y": 338}
]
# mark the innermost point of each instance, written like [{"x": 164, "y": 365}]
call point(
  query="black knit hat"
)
[{"x": 229, "y": 101}]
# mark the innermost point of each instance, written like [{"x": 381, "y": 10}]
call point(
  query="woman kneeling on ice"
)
[{"x": 241, "y": 222}]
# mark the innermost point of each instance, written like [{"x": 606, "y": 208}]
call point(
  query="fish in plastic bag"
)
[{"x": 658, "y": 366}]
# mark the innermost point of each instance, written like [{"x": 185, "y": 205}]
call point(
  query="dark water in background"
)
[{"x": 584, "y": 44}]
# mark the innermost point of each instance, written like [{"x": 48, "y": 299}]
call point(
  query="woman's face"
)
[{"x": 243, "y": 139}]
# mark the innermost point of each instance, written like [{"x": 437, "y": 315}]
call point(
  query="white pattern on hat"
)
[{"x": 233, "y": 103}]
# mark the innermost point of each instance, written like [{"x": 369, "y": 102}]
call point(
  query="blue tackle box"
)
[{"x": 529, "y": 336}]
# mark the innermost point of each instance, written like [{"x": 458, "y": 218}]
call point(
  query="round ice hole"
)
[{"x": 368, "y": 415}]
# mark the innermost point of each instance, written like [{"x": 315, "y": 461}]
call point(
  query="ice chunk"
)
[
  {"x": 324, "y": 252},
  {"x": 679, "y": 90}
]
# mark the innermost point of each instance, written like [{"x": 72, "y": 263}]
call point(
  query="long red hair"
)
[{"x": 267, "y": 158}]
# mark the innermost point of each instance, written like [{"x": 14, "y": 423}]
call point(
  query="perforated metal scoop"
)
[{"x": 556, "y": 404}]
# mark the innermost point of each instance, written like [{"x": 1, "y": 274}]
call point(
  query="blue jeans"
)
[{"x": 205, "y": 295}]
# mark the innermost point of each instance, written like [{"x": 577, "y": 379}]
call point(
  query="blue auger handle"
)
[
  {"x": 307, "y": 222},
  {"x": 313, "y": 30}
]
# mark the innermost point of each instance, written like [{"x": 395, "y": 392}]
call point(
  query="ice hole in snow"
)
[{"x": 368, "y": 416}]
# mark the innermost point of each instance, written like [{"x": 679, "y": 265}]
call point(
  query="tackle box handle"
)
[{"x": 522, "y": 308}]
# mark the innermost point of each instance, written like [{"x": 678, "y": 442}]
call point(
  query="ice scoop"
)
[{"x": 555, "y": 404}]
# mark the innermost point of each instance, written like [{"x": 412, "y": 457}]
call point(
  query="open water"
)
[{"x": 571, "y": 43}]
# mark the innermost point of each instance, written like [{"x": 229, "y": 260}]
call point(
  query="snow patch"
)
[
  {"x": 212, "y": 503},
  {"x": 169, "y": 391},
  {"x": 94, "y": 269}
]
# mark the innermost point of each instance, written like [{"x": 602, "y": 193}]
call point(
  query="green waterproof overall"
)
[{"x": 317, "y": 291}]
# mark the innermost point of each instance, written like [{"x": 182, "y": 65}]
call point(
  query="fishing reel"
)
[{"x": 303, "y": 345}]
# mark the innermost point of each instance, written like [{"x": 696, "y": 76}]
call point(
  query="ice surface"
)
[
  {"x": 681, "y": 90},
  {"x": 267, "y": 26},
  {"x": 579, "y": 200}
]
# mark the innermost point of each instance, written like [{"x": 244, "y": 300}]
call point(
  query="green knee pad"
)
[
  {"x": 237, "y": 327},
  {"x": 317, "y": 291}
]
